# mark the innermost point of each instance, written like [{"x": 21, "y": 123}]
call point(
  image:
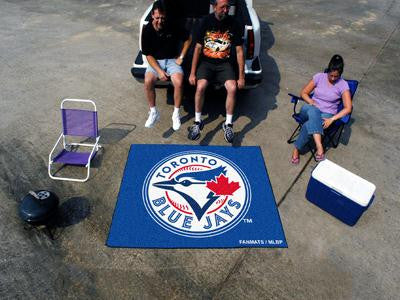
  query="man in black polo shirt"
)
[
  {"x": 160, "y": 42},
  {"x": 218, "y": 35}
]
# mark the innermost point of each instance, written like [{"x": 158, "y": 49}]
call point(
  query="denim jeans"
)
[{"x": 313, "y": 124}]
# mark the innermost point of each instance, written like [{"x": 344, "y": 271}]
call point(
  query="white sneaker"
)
[
  {"x": 176, "y": 122},
  {"x": 152, "y": 119}
]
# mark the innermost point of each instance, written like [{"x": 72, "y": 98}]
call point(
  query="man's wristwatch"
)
[{"x": 181, "y": 57}]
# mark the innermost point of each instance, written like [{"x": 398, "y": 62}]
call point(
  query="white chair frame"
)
[{"x": 95, "y": 147}]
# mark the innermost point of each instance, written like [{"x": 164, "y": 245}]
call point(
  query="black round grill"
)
[{"x": 38, "y": 207}]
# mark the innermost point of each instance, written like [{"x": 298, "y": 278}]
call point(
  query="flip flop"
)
[
  {"x": 320, "y": 157},
  {"x": 295, "y": 160}
]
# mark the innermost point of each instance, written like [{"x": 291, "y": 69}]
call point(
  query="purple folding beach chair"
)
[{"x": 76, "y": 123}]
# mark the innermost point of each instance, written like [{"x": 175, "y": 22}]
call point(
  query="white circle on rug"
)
[{"x": 196, "y": 194}]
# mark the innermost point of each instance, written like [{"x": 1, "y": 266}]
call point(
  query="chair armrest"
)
[
  {"x": 295, "y": 99},
  {"x": 95, "y": 148},
  {"x": 52, "y": 150}
]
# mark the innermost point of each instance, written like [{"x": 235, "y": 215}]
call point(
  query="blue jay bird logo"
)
[
  {"x": 183, "y": 186},
  {"x": 196, "y": 194}
]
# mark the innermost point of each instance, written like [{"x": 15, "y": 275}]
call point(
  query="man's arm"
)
[
  {"x": 195, "y": 61},
  {"x": 185, "y": 49},
  {"x": 240, "y": 61},
  {"x": 154, "y": 64}
]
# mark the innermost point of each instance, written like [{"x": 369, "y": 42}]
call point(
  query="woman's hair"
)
[{"x": 336, "y": 64}]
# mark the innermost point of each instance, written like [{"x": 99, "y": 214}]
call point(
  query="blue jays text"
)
[{"x": 208, "y": 223}]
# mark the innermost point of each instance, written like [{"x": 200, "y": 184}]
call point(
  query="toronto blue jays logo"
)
[{"x": 196, "y": 194}]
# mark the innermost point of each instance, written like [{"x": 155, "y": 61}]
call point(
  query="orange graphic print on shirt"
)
[{"x": 217, "y": 45}]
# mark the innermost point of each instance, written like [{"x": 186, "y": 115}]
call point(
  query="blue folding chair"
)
[
  {"x": 76, "y": 123},
  {"x": 333, "y": 133}
]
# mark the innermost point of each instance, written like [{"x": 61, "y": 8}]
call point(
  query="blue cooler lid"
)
[{"x": 344, "y": 182}]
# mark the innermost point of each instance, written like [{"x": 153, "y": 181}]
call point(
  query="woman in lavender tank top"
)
[{"x": 321, "y": 110}]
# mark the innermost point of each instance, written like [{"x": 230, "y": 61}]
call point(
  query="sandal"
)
[
  {"x": 295, "y": 160},
  {"x": 319, "y": 157}
]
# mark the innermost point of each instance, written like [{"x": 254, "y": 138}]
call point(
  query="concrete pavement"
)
[{"x": 51, "y": 50}]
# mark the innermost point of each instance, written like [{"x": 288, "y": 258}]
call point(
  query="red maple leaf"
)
[{"x": 222, "y": 186}]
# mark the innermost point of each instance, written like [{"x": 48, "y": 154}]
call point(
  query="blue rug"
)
[{"x": 181, "y": 196}]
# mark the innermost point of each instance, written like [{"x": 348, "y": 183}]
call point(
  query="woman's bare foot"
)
[
  {"x": 295, "y": 157},
  {"x": 318, "y": 144},
  {"x": 320, "y": 150},
  {"x": 319, "y": 155}
]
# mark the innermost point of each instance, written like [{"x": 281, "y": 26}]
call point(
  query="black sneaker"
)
[
  {"x": 194, "y": 130},
  {"x": 228, "y": 132}
]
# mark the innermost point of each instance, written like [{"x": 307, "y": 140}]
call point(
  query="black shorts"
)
[{"x": 218, "y": 73}]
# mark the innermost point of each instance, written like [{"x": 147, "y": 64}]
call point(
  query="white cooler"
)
[{"x": 339, "y": 192}]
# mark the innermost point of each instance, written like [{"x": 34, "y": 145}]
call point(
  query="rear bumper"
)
[{"x": 253, "y": 76}]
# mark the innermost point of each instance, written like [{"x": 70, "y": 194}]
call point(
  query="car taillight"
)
[{"x": 250, "y": 44}]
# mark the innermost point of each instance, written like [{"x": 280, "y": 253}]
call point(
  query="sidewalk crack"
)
[{"x": 375, "y": 59}]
